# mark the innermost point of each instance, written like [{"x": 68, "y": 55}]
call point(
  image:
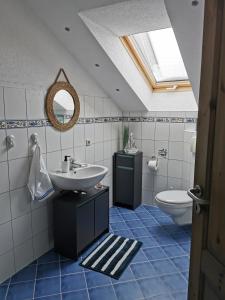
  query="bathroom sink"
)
[{"x": 81, "y": 178}]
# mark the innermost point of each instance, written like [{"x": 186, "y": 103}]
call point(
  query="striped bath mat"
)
[{"x": 112, "y": 256}]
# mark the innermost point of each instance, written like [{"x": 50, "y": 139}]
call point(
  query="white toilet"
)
[{"x": 177, "y": 204}]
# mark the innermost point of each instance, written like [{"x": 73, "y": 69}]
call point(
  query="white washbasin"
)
[{"x": 79, "y": 178}]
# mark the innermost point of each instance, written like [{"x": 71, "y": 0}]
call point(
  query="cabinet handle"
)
[{"x": 125, "y": 168}]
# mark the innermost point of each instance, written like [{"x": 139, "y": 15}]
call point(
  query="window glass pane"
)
[{"x": 161, "y": 55}]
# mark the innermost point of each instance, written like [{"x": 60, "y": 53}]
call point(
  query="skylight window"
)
[{"x": 157, "y": 55}]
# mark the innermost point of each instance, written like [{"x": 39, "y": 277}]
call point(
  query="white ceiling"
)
[{"x": 57, "y": 14}]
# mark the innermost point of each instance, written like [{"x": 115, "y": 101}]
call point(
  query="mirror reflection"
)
[{"x": 63, "y": 106}]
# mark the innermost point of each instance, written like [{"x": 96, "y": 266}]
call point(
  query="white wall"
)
[
  {"x": 164, "y": 130},
  {"x": 30, "y": 59}
]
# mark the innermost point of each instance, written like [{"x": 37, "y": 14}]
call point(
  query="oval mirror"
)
[{"x": 62, "y": 105}]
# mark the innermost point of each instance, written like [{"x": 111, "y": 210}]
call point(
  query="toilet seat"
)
[{"x": 178, "y": 198}]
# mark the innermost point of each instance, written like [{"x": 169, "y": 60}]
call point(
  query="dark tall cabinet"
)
[
  {"x": 79, "y": 220},
  {"x": 127, "y": 179}
]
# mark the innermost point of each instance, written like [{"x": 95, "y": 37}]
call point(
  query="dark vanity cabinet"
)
[
  {"x": 127, "y": 179},
  {"x": 79, "y": 219}
]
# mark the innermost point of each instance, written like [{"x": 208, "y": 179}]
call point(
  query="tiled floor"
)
[{"x": 159, "y": 270}]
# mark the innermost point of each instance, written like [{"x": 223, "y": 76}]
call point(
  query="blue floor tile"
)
[
  {"x": 3, "y": 290},
  {"x": 164, "y": 266},
  {"x": 53, "y": 297},
  {"x": 95, "y": 279},
  {"x": 116, "y": 218},
  {"x": 134, "y": 223},
  {"x": 6, "y": 282},
  {"x": 21, "y": 291},
  {"x": 28, "y": 273},
  {"x": 119, "y": 226},
  {"x": 73, "y": 282},
  {"x": 70, "y": 267},
  {"x": 77, "y": 295},
  {"x": 182, "y": 263},
  {"x": 186, "y": 247},
  {"x": 173, "y": 250},
  {"x": 128, "y": 290},
  {"x": 126, "y": 276},
  {"x": 149, "y": 222},
  {"x": 47, "y": 286},
  {"x": 154, "y": 253},
  {"x": 148, "y": 242},
  {"x": 138, "y": 232},
  {"x": 129, "y": 216},
  {"x": 141, "y": 270},
  {"x": 180, "y": 296},
  {"x": 48, "y": 270},
  {"x": 151, "y": 286},
  {"x": 50, "y": 256},
  {"x": 174, "y": 282},
  {"x": 139, "y": 257},
  {"x": 102, "y": 293},
  {"x": 125, "y": 233}
]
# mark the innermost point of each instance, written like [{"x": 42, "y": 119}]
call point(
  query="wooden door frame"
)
[{"x": 213, "y": 25}]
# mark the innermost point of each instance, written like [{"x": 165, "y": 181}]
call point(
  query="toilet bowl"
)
[{"x": 177, "y": 204}]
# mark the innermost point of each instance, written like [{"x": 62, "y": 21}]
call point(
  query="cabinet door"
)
[
  {"x": 85, "y": 225},
  {"x": 101, "y": 214},
  {"x": 124, "y": 185}
]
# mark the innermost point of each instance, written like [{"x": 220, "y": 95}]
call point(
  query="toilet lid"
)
[{"x": 174, "y": 197}]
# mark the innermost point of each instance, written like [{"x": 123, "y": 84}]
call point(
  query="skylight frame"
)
[{"x": 164, "y": 86}]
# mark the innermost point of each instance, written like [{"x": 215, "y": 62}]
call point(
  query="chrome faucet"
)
[{"x": 74, "y": 164}]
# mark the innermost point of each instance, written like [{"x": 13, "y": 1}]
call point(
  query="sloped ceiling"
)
[{"x": 57, "y": 14}]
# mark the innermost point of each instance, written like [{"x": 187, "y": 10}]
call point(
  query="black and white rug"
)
[{"x": 112, "y": 256}]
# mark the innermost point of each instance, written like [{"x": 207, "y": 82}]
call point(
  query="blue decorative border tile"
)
[{"x": 11, "y": 124}]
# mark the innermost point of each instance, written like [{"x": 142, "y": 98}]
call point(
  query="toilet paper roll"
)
[{"x": 153, "y": 163}]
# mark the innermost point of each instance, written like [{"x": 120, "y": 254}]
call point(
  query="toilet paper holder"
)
[{"x": 153, "y": 163}]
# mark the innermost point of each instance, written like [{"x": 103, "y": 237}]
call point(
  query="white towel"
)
[{"x": 39, "y": 182}]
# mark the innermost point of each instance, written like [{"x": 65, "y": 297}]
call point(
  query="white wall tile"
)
[
  {"x": 82, "y": 111},
  {"x": 148, "y": 130},
  {"x": 20, "y": 202},
  {"x": 2, "y": 107},
  {"x": 175, "y": 168},
  {"x": 67, "y": 139},
  {"x": 22, "y": 229},
  {"x": 98, "y": 130},
  {"x": 90, "y": 132},
  {"x": 6, "y": 237},
  {"x": 69, "y": 152},
  {"x": 21, "y": 143},
  {"x": 147, "y": 197},
  {"x": 18, "y": 172},
  {"x": 54, "y": 160},
  {"x": 107, "y": 130},
  {"x": 5, "y": 213},
  {"x": 99, "y": 152},
  {"x": 107, "y": 150},
  {"x": 80, "y": 154},
  {"x": 176, "y": 150},
  {"x": 162, "y": 132},
  {"x": 162, "y": 167},
  {"x": 174, "y": 183},
  {"x": 3, "y": 147},
  {"x": 89, "y": 103},
  {"x": 107, "y": 107},
  {"x": 15, "y": 98},
  {"x": 24, "y": 254},
  {"x": 4, "y": 182},
  {"x": 7, "y": 267},
  {"x": 52, "y": 139},
  {"x": 35, "y": 104},
  {"x": 90, "y": 154},
  {"x": 79, "y": 135},
  {"x": 177, "y": 132},
  {"x": 39, "y": 219},
  {"x": 160, "y": 183},
  {"x": 41, "y": 243},
  {"x": 147, "y": 181},
  {"x": 99, "y": 107},
  {"x": 148, "y": 148}
]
